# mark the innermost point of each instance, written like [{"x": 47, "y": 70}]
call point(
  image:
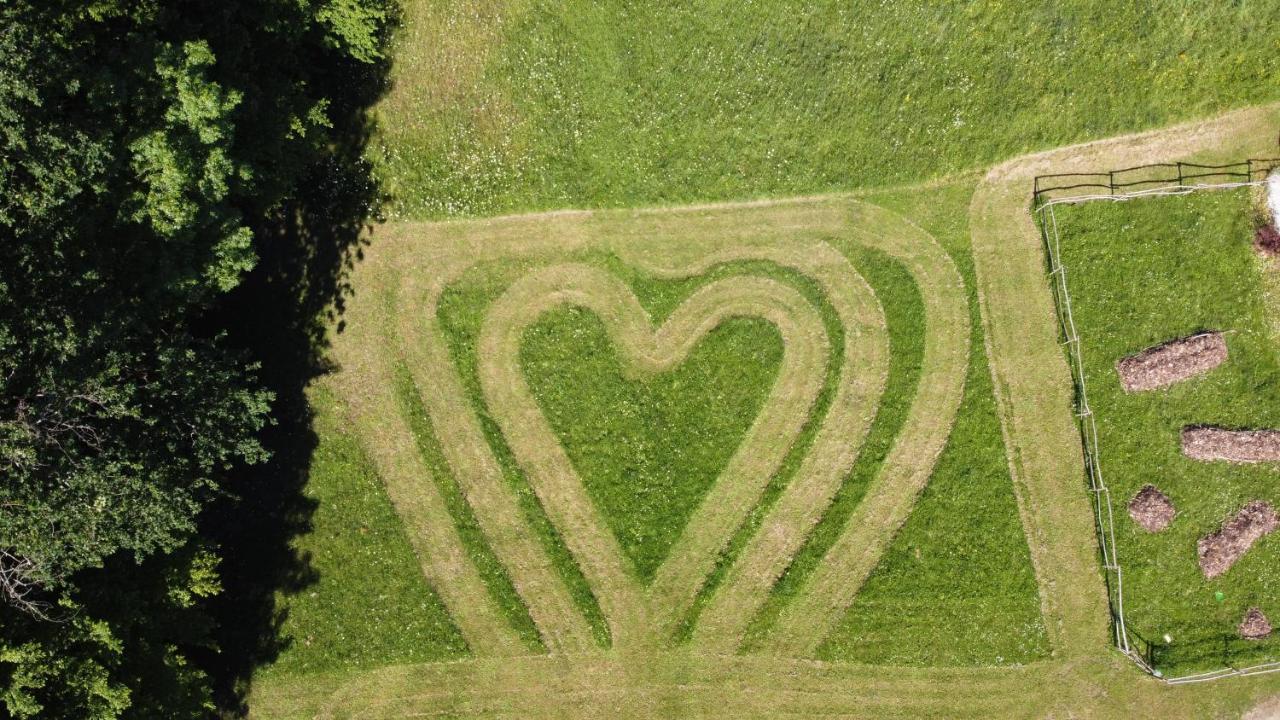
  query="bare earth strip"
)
[
  {"x": 366, "y": 386},
  {"x": 1032, "y": 382},
  {"x": 559, "y": 621},
  {"x": 830, "y": 591},
  {"x": 646, "y": 350}
]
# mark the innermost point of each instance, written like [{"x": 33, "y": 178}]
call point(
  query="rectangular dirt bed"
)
[
  {"x": 1172, "y": 362},
  {"x": 1237, "y": 446}
]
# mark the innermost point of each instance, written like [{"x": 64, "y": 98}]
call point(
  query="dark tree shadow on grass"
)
[{"x": 280, "y": 315}]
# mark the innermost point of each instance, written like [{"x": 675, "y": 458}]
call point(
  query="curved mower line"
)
[
  {"x": 559, "y": 621},
  {"x": 632, "y": 617},
  {"x": 413, "y": 492},
  {"x": 830, "y": 590},
  {"x": 866, "y": 361}
]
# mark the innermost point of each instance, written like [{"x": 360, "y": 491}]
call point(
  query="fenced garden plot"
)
[{"x": 1141, "y": 273}]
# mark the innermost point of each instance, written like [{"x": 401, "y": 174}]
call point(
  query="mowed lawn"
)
[
  {"x": 1140, "y": 273},
  {"x": 956, "y": 586},
  {"x": 502, "y": 106}
]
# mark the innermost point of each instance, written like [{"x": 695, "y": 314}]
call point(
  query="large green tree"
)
[{"x": 150, "y": 153}]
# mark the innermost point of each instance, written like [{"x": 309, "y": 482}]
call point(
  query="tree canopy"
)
[{"x": 149, "y": 151}]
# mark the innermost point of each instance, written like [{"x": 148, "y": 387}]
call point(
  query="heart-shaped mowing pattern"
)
[
  {"x": 649, "y": 350},
  {"x": 648, "y": 448}
]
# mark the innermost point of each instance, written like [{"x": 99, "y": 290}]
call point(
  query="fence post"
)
[
  {"x": 1248, "y": 163},
  {"x": 1111, "y": 181},
  {"x": 1179, "y": 173}
]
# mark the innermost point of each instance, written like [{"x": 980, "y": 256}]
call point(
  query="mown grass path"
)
[
  {"x": 560, "y": 624},
  {"x": 784, "y": 529},
  {"x": 831, "y": 589},
  {"x": 367, "y": 390}
]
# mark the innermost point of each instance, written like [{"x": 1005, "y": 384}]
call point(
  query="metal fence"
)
[{"x": 1146, "y": 652}]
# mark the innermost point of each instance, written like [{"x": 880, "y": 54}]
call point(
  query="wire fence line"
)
[{"x": 1103, "y": 507}]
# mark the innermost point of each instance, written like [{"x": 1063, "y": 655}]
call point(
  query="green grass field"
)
[
  {"x": 369, "y": 604},
  {"x": 953, "y": 589},
  {"x": 502, "y": 106},
  {"x": 1141, "y": 273},
  {"x": 532, "y": 503}
]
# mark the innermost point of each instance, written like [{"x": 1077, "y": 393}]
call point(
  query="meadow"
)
[
  {"x": 649, "y": 448},
  {"x": 512, "y": 106}
]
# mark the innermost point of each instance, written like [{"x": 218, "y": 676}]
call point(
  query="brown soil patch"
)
[
  {"x": 1219, "y": 551},
  {"x": 1266, "y": 240},
  {"x": 1237, "y": 446},
  {"x": 1255, "y": 625},
  {"x": 1151, "y": 509},
  {"x": 1172, "y": 362}
]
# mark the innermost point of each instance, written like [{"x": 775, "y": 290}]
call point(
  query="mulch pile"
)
[
  {"x": 1151, "y": 509},
  {"x": 1255, "y": 625},
  {"x": 1266, "y": 240},
  {"x": 1219, "y": 551},
  {"x": 1172, "y": 362},
  {"x": 1237, "y": 446}
]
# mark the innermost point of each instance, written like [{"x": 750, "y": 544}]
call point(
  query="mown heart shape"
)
[
  {"x": 646, "y": 350},
  {"x": 648, "y": 447}
]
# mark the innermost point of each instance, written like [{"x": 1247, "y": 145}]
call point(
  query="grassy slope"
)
[
  {"x": 535, "y": 104},
  {"x": 1141, "y": 273},
  {"x": 369, "y": 605},
  {"x": 980, "y": 598},
  {"x": 990, "y": 605}
]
